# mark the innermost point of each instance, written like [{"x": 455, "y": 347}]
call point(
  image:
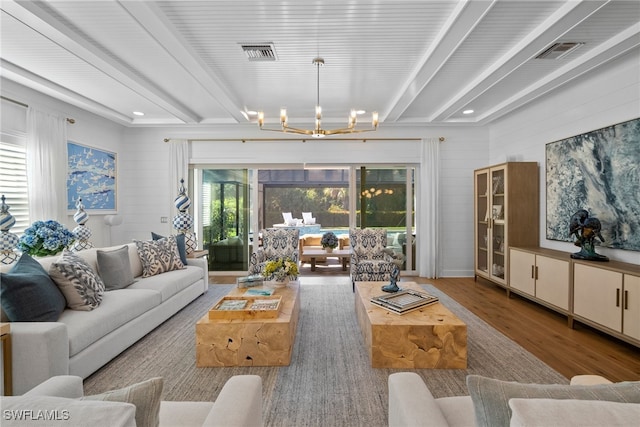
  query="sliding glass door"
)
[
  {"x": 386, "y": 199},
  {"x": 223, "y": 214},
  {"x": 338, "y": 198}
]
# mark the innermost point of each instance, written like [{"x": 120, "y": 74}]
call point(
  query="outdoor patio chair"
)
[{"x": 307, "y": 218}]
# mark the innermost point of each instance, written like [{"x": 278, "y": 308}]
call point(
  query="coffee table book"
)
[
  {"x": 404, "y": 301},
  {"x": 246, "y": 307}
]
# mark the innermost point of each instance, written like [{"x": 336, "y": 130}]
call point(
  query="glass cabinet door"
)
[
  {"x": 497, "y": 223},
  {"x": 482, "y": 217}
]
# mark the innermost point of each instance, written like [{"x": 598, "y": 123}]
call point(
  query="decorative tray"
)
[
  {"x": 246, "y": 307},
  {"x": 404, "y": 301}
]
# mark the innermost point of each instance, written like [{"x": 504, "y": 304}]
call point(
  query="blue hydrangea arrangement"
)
[
  {"x": 45, "y": 238},
  {"x": 329, "y": 240}
]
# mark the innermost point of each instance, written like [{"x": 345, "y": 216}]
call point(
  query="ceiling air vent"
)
[
  {"x": 558, "y": 50},
  {"x": 259, "y": 51}
]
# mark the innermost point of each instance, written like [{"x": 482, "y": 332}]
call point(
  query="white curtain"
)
[
  {"x": 46, "y": 166},
  {"x": 430, "y": 218},
  {"x": 178, "y": 169}
]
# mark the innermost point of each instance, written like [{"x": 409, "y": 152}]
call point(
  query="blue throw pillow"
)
[
  {"x": 28, "y": 294},
  {"x": 182, "y": 247}
]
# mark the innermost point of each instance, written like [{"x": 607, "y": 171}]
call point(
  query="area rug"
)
[{"x": 329, "y": 381}]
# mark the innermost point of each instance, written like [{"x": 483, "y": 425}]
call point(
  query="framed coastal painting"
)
[
  {"x": 598, "y": 171},
  {"x": 92, "y": 176}
]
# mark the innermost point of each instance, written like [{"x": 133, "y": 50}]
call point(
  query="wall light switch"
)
[{"x": 164, "y": 219}]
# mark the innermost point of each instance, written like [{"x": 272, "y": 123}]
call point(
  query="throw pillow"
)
[
  {"x": 182, "y": 247},
  {"x": 491, "y": 397},
  {"x": 80, "y": 285},
  {"x": 158, "y": 256},
  {"x": 145, "y": 395},
  {"x": 114, "y": 268},
  {"x": 28, "y": 294}
]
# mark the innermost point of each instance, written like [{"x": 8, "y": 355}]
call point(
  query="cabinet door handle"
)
[
  {"x": 536, "y": 273},
  {"x": 617, "y": 297},
  {"x": 626, "y": 300},
  {"x": 532, "y": 275}
]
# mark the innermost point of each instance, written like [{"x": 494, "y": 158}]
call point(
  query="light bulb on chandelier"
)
[{"x": 318, "y": 132}]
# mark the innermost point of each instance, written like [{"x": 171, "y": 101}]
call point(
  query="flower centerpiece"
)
[
  {"x": 280, "y": 270},
  {"x": 45, "y": 238},
  {"x": 329, "y": 241}
]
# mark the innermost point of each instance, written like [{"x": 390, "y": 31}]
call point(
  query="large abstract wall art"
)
[
  {"x": 598, "y": 171},
  {"x": 91, "y": 174}
]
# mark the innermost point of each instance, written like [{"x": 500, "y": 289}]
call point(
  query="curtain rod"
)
[
  {"x": 243, "y": 140},
  {"x": 22, "y": 104}
]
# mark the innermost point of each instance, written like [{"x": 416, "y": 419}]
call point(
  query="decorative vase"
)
[
  {"x": 278, "y": 283},
  {"x": 328, "y": 249}
]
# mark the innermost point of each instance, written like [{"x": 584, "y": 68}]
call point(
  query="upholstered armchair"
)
[
  {"x": 276, "y": 243},
  {"x": 370, "y": 260}
]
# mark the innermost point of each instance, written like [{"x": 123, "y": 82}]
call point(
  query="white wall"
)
[
  {"x": 88, "y": 129},
  {"x": 145, "y": 187},
  {"x": 609, "y": 95}
]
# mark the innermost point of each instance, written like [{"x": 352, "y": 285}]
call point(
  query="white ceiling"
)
[{"x": 415, "y": 62}]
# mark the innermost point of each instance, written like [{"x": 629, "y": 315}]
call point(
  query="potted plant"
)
[{"x": 329, "y": 241}]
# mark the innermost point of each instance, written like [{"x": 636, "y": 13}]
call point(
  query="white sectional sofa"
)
[{"x": 81, "y": 342}]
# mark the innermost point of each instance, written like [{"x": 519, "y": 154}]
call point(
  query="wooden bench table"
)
[
  {"x": 312, "y": 254},
  {"x": 250, "y": 342},
  {"x": 430, "y": 337}
]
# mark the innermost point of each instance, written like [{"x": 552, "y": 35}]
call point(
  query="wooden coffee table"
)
[
  {"x": 343, "y": 254},
  {"x": 250, "y": 342},
  {"x": 430, "y": 337}
]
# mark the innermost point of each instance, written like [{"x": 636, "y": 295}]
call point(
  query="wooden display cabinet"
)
[{"x": 506, "y": 213}]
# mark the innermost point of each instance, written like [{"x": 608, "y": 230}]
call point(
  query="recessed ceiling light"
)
[
  {"x": 138, "y": 113},
  {"x": 359, "y": 112},
  {"x": 467, "y": 112}
]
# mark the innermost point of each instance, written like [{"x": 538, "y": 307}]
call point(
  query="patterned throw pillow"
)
[
  {"x": 159, "y": 256},
  {"x": 80, "y": 285}
]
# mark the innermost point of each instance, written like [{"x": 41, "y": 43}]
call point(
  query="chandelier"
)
[{"x": 318, "y": 132}]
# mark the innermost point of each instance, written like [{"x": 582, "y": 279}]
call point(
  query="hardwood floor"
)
[{"x": 543, "y": 332}]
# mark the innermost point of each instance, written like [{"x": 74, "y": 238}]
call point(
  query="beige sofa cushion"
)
[{"x": 118, "y": 308}]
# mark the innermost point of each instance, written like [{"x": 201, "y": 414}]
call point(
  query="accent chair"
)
[
  {"x": 371, "y": 261},
  {"x": 276, "y": 243}
]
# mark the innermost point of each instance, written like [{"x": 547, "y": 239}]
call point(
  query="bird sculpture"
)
[{"x": 585, "y": 229}]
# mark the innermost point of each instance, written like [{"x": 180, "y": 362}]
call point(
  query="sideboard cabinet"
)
[
  {"x": 505, "y": 214},
  {"x": 604, "y": 295},
  {"x": 607, "y": 296}
]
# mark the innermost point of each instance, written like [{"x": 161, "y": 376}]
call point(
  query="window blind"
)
[{"x": 13, "y": 183}]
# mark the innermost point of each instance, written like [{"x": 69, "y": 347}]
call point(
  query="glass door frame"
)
[{"x": 255, "y": 206}]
